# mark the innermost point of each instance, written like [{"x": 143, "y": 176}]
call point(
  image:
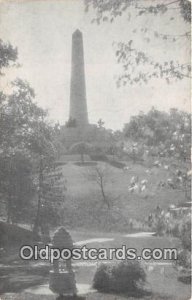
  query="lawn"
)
[{"x": 84, "y": 207}]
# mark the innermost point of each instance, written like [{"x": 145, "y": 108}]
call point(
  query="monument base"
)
[{"x": 62, "y": 283}]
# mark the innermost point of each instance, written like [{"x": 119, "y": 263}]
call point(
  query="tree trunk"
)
[
  {"x": 82, "y": 158},
  {"x": 105, "y": 200},
  {"x": 37, "y": 219}
]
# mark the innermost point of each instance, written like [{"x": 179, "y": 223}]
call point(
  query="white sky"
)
[{"x": 42, "y": 32}]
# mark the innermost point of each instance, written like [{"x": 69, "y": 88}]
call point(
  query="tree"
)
[
  {"x": 51, "y": 188},
  {"x": 15, "y": 175},
  {"x": 81, "y": 148},
  {"x": 25, "y": 136},
  {"x": 134, "y": 151},
  {"x": 137, "y": 66},
  {"x": 8, "y": 55},
  {"x": 16, "y": 185},
  {"x": 168, "y": 137},
  {"x": 100, "y": 175},
  {"x": 169, "y": 132},
  {"x": 27, "y": 148}
]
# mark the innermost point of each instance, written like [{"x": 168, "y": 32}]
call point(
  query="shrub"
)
[
  {"x": 60, "y": 163},
  {"x": 84, "y": 164},
  {"x": 101, "y": 281},
  {"x": 186, "y": 234},
  {"x": 99, "y": 157},
  {"x": 184, "y": 253},
  {"x": 184, "y": 258},
  {"x": 14, "y": 235},
  {"x": 117, "y": 164},
  {"x": 125, "y": 277}
]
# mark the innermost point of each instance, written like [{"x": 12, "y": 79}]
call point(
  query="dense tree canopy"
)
[
  {"x": 25, "y": 138},
  {"x": 170, "y": 132}
]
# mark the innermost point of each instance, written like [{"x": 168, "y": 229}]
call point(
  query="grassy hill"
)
[{"x": 84, "y": 207}]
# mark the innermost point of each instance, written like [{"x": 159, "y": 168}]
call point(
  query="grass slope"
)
[{"x": 84, "y": 207}]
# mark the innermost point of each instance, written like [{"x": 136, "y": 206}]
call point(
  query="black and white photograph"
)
[{"x": 95, "y": 150}]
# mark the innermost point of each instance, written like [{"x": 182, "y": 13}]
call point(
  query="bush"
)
[
  {"x": 117, "y": 164},
  {"x": 186, "y": 234},
  {"x": 184, "y": 253},
  {"x": 60, "y": 163},
  {"x": 14, "y": 235},
  {"x": 84, "y": 164},
  {"x": 184, "y": 259},
  {"x": 101, "y": 281},
  {"x": 99, "y": 157},
  {"x": 125, "y": 277}
]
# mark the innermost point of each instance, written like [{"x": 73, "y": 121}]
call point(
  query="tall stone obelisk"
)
[{"x": 78, "y": 101}]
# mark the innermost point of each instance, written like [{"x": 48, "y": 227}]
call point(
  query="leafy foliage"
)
[
  {"x": 8, "y": 55},
  {"x": 22, "y": 120},
  {"x": 134, "y": 62},
  {"x": 125, "y": 277},
  {"x": 137, "y": 67},
  {"x": 16, "y": 186},
  {"x": 108, "y": 10},
  {"x": 170, "y": 132},
  {"x": 185, "y": 8},
  {"x": 26, "y": 138},
  {"x": 184, "y": 254},
  {"x": 81, "y": 148}
]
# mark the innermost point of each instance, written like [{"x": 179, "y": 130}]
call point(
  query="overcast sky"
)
[{"x": 42, "y": 32}]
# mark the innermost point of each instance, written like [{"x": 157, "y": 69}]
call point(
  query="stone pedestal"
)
[{"x": 62, "y": 282}]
